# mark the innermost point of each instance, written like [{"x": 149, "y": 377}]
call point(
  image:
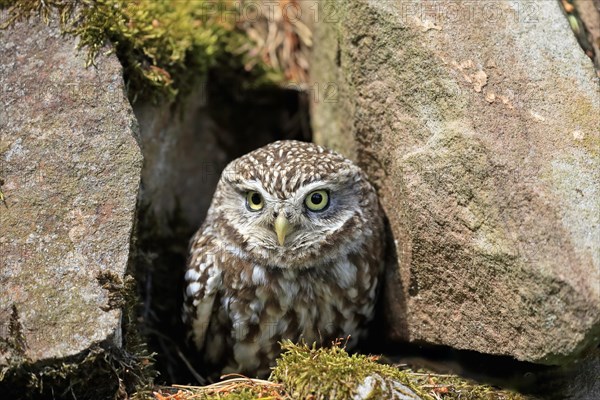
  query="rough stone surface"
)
[
  {"x": 479, "y": 124},
  {"x": 583, "y": 383},
  {"x": 71, "y": 168},
  {"x": 182, "y": 160}
]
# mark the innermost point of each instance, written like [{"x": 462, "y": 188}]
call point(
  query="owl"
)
[{"x": 291, "y": 248}]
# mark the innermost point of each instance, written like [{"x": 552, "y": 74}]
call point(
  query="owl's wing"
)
[{"x": 203, "y": 281}]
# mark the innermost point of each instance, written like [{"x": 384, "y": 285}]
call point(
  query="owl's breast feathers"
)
[{"x": 239, "y": 311}]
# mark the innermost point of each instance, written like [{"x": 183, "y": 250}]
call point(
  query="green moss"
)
[
  {"x": 329, "y": 372},
  {"x": 324, "y": 373},
  {"x": 304, "y": 372},
  {"x": 164, "y": 45}
]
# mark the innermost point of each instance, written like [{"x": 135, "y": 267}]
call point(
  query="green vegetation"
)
[
  {"x": 324, "y": 373},
  {"x": 304, "y": 372},
  {"x": 164, "y": 45}
]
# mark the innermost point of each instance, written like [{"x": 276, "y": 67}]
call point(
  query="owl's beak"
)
[{"x": 282, "y": 227}]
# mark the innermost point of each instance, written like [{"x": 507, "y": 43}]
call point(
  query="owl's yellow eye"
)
[
  {"x": 317, "y": 200},
  {"x": 254, "y": 200}
]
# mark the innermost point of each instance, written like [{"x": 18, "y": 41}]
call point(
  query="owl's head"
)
[{"x": 293, "y": 204}]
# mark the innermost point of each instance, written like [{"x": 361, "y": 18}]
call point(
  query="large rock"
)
[
  {"x": 71, "y": 169},
  {"x": 479, "y": 124}
]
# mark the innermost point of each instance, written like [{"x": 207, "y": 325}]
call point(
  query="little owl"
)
[{"x": 291, "y": 248}]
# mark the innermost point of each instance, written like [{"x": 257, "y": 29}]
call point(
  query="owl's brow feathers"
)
[{"x": 286, "y": 166}]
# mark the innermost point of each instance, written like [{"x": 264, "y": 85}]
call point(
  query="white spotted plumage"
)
[{"x": 246, "y": 289}]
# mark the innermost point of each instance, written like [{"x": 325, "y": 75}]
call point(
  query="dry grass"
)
[
  {"x": 281, "y": 40},
  {"x": 233, "y": 387}
]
